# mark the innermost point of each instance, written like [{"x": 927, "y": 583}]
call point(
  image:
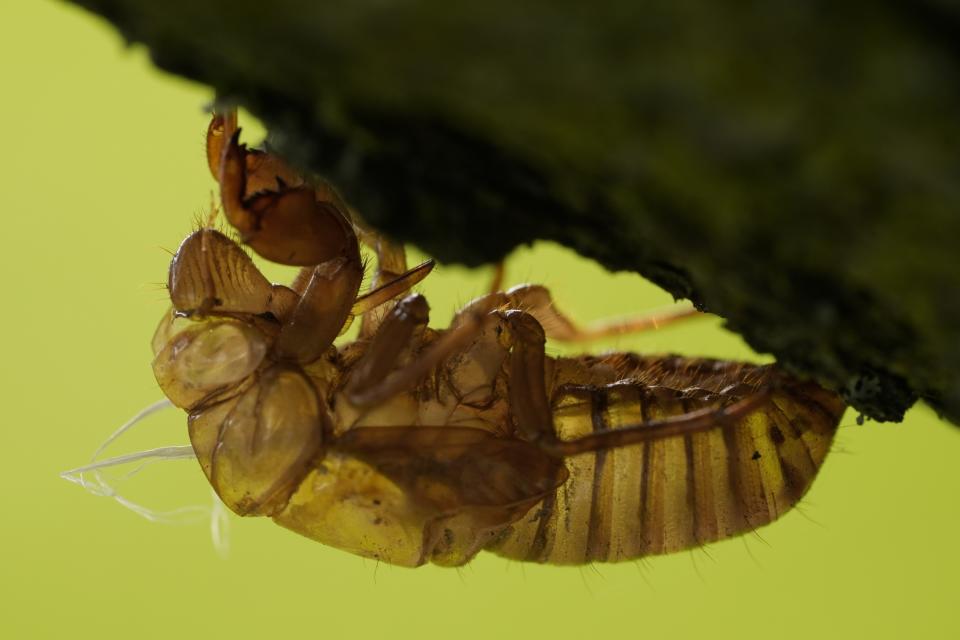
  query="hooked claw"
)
[{"x": 277, "y": 214}]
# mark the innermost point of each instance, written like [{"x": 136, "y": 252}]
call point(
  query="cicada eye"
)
[
  {"x": 207, "y": 356},
  {"x": 171, "y": 324}
]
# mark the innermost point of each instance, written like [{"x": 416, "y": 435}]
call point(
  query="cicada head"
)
[
  {"x": 224, "y": 320},
  {"x": 256, "y": 417}
]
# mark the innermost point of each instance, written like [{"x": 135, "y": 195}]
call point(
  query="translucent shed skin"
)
[{"x": 413, "y": 445}]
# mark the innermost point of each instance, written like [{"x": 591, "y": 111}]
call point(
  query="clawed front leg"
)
[
  {"x": 276, "y": 213},
  {"x": 323, "y": 308}
]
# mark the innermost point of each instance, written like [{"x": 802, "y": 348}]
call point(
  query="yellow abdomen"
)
[{"x": 678, "y": 492}]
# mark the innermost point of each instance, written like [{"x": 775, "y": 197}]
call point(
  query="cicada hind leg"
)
[
  {"x": 661, "y": 460},
  {"x": 537, "y": 301}
]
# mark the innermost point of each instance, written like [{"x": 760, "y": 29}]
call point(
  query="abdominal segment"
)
[{"x": 677, "y": 492}]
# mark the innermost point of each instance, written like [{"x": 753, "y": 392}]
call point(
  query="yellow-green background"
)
[{"x": 102, "y": 168}]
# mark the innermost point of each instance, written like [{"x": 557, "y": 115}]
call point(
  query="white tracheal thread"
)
[{"x": 99, "y": 486}]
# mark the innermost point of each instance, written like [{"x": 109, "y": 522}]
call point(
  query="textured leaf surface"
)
[{"x": 793, "y": 167}]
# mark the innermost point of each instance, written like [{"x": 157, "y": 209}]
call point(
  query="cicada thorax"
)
[
  {"x": 426, "y": 475},
  {"x": 677, "y": 492},
  {"x": 466, "y": 390}
]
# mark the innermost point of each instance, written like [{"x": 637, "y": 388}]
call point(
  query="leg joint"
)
[{"x": 524, "y": 327}]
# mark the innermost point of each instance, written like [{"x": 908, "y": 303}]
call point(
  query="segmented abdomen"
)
[{"x": 676, "y": 492}]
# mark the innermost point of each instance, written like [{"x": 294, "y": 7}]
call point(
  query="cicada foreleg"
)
[
  {"x": 276, "y": 213},
  {"x": 222, "y": 126}
]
